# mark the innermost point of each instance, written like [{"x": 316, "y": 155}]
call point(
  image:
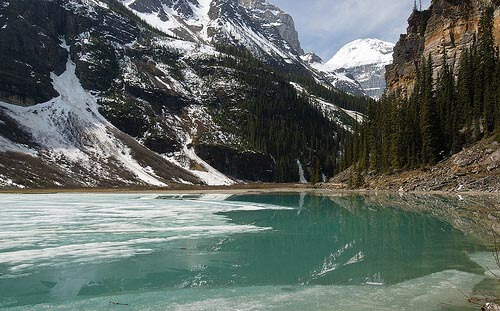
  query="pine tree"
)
[
  {"x": 317, "y": 174},
  {"x": 396, "y": 140},
  {"x": 487, "y": 61},
  {"x": 431, "y": 139},
  {"x": 358, "y": 179},
  {"x": 445, "y": 103}
]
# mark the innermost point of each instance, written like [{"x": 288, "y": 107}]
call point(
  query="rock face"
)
[
  {"x": 340, "y": 79},
  {"x": 311, "y": 58},
  {"x": 276, "y": 18},
  {"x": 371, "y": 78},
  {"x": 343, "y": 79},
  {"x": 247, "y": 166},
  {"x": 447, "y": 26},
  {"x": 31, "y": 50}
]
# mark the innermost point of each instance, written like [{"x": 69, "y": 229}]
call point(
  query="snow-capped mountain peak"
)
[
  {"x": 362, "y": 52},
  {"x": 363, "y": 61}
]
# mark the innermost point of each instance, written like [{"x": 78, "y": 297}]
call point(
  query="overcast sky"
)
[{"x": 326, "y": 25}]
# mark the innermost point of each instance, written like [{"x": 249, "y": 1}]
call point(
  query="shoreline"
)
[{"x": 240, "y": 189}]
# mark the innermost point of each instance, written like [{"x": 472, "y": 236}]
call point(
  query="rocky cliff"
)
[
  {"x": 274, "y": 17},
  {"x": 448, "y": 26}
]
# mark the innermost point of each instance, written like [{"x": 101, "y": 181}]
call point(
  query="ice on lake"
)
[{"x": 239, "y": 252}]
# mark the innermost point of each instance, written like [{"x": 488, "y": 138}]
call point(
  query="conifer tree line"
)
[
  {"x": 439, "y": 118},
  {"x": 279, "y": 122}
]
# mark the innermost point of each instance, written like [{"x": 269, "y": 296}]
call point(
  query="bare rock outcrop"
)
[
  {"x": 276, "y": 18},
  {"x": 448, "y": 26},
  {"x": 474, "y": 169}
]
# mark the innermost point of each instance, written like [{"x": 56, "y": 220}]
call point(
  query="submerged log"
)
[{"x": 118, "y": 303}]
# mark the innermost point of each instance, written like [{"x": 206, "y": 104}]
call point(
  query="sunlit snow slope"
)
[{"x": 82, "y": 148}]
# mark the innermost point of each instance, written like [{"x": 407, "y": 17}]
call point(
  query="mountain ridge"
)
[{"x": 261, "y": 27}]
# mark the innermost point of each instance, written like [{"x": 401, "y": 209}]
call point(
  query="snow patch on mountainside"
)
[
  {"x": 7, "y": 145},
  {"x": 173, "y": 22},
  {"x": 331, "y": 111},
  {"x": 9, "y": 183},
  {"x": 70, "y": 131},
  {"x": 360, "y": 53},
  {"x": 187, "y": 157},
  {"x": 201, "y": 16},
  {"x": 190, "y": 161}
]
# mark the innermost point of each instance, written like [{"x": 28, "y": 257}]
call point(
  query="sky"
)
[{"x": 325, "y": 26}]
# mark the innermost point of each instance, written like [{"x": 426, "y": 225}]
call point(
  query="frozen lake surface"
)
[{"x": 222, "y": 252}]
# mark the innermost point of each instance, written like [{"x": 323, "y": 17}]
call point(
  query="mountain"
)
[
  {"x": 108, "y": 93},
  {"x": 339, "y": 79},
  {"x": 362, "y": 61},
  {"x": 362, "y": 52},
  {"x": 257, "y": 25}
]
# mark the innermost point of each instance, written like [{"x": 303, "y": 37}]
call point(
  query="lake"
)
[{"x": 280, "y": 251}]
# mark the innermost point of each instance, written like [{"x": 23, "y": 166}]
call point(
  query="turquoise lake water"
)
[{"x": 240, "y": 252}]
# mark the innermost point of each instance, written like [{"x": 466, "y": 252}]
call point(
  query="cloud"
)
[{"x": 326, "y": 25}]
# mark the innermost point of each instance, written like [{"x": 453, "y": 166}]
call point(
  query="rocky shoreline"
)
[{"x": 474, "y": 169}]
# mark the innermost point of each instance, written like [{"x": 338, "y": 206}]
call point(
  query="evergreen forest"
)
[{"x": 444, "y": 113}]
